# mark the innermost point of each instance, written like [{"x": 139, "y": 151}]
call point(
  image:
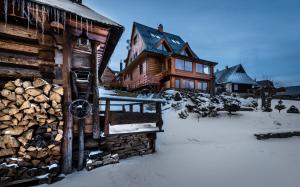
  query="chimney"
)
[
  {"x": 160, "y": 28},
  {"x": 226, "y": 67},
  {"x": 121, "y": 65},
  {"x": 77, "y": 1}
]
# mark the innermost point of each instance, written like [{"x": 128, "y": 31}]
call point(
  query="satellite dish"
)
[{"x": 80, "y": 108}]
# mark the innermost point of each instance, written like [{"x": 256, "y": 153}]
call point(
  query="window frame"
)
[
  {"x": 190, "y": 69},
  {"x": 177, "y": 83}
]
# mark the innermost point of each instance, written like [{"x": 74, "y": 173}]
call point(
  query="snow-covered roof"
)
[
  {"x": 235, "y": 74},
  {"x": 79, "y": 9}
]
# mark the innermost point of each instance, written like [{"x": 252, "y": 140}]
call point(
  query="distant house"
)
[
  {"x": 108, "y": 77},
  {"x": 158, "y": 59},
  {"x": 265, "y": 83},
  {"x": 234, "y": 80},
  {"x": 292, "y": 92}
]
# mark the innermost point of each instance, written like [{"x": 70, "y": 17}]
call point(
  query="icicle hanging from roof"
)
[
  {"x": 36, "y": 18},
  {"x": 76, "y": 22},
  {"x": 28, "y": 15},
  {"x": 5, "y": 11},
  {"x": 22, "y": 8},
  {"x": 91, "y": 26},
  {"x": 43, "y": 21},
  {"x": 87, "y": 26},
  {"x": 58, "y": 20},
  {"x": 81, "y": 24},
  {"x": 13, "y": 6},
  {"x": 64, "y": 20}
]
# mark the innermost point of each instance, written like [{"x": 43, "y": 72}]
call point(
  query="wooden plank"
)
[
  {"x": 159, "y": 124},
  {"x": 23, "y": 60},
  {"x": 117, "y": 118},
  {"x": 14, "y": 46},
  {"x": 80, "y": 144},
  {"x": 95, "y": 88},
  {"x": 19, "y": 72},
  {"x": 68, "y": 120},
  {"x": 19, "y": 31},
  {"x": 107, "y": 116}
]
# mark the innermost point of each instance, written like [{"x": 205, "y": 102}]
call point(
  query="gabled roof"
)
[
  {"x": 267, "y": 83},
  {"x": 235, "y": 74},
  {"x": 152, "y": 36}
]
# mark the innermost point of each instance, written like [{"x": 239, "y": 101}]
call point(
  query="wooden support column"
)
[
  {"x": 142, "y": 108},
  {"x": 158, "y": 111},
  {"x": 68, "y": 120},
  {"x": 131, "y": 108},
  {"x": 106, "y": 121},
  {"x": 80, "y": 143},
  {"x": 95, "y": 88}
]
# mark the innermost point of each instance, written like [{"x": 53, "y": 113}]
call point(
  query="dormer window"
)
[
  {"x": 186, "y": 52},
  {"x": 154, "y": 35},
  {"x": 175, "y": 41},
  {"x": 163, "y": 47}
]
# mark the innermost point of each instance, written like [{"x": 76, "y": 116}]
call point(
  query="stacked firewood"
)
[
  {"x": 131, "y": 144},
  {"x": 99, "y": 158},
  {"x": 31, "y": 122}
]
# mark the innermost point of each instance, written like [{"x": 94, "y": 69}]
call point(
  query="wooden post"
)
[
  {"x": 80, "y": 143},
  {"x": 107, "y": 111},
  {"x": 131, "y": 108},
  {"x": 142, "y": 108},
  {"x": 95, "y": 69},
  {"x": 158, "y": 111},
  {"x": 123, "y": 108},
  {"x": 68, "y": 120}
]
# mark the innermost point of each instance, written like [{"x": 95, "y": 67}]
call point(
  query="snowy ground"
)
[{"x": 210, "y": 152}]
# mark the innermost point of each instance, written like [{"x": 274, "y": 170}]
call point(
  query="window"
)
[
  {"x": 206, "y": 69},
  {"x": 205, "y": 86},
  {"x": 179, "y": 64},
  {"x": 188, "y": 66},
  {"x": 135, "y": 39},
  {"x": 202, "y": 85},
  {"x": 189, "y": 84},
  {"x": 184, "y": 65},
  {"x": 199, "y": 68},
  {"x": 236, "y": 87},
  {"x": 162, "y": 47},
  {"x": 175, "y": 41},
  {"x": 177, "y": 83},
  {"x": 141, "y": 69},
  {"x": 154, "y": 35}
]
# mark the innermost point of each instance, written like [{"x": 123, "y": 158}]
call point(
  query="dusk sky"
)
[{"x": 263, "y": 35}]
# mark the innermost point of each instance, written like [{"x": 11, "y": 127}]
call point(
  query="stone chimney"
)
[
  {"x": 121, "y": 65},
  {"x": 160, "y": 28},
  {"x": 77, "y": 1}
]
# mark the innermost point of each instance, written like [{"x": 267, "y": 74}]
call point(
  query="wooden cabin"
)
[
  {"x": 63, "y": 42},
  {"x": 159, "y": 60},
  {"x": 108, "y": 78},
  {"x": 234, "y": 80}
]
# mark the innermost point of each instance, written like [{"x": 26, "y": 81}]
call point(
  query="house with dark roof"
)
[
  {"x": 158, "y": 59},
  {"x": 234, "y": 80}
]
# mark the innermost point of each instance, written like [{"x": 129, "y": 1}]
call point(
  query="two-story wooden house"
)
[{"x": 158, "y": 59}]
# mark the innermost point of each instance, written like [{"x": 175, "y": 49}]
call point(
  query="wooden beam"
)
[
  {"x": 80, "y": 144},
  {"x": 94, "y": 29},
  {"x": 159, "y": 124},
  {"x": 14, "y": 59},
  {"x": 95, "y": 88},
  {"x": 68, "y": 120},
  {"x": 14, "y": 72},
  {"x": 20, "y": 47},
  {"x": 106, "y": 115}
]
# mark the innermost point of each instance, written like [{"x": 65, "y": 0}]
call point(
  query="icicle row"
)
[
  {"x": 22, "y": 8},
  {"x": 87, "y": 26},
  {"x": 76, "y": 22}
]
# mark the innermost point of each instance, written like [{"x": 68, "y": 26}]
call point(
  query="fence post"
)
[
  {"x": 142, "y": 108},
  {"x": 158, "y": 111},
  {"x": 107, "y": 112}
]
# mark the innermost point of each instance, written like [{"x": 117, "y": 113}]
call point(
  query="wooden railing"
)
[
  {"x": 129, "y": 117},
  {"x": 146, "y": 80}
]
